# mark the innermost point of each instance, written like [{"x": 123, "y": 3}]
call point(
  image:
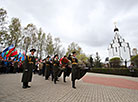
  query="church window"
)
[
  {"x": 127, "y": 44},
  {"x": 120, "y": 44},
  {"x": 116, "y": 49},
  {"x": 111, "y": 46}
]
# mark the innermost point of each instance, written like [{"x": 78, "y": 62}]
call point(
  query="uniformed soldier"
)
[
  {"x": 74, "y": 61},
  {"x": 28, "y": 69},
  {"x": 47, "y": 70},
  {"x": 55, "y": 68},
  {"x": 40, "y": 66},
  {"x": 64, "y": 67},
  {"x": 44, "y": 67},
  {"x": 51, "y": 69}
]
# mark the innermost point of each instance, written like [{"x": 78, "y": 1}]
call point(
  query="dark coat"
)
[
  {"x": 66, "y": 71},
  {"x": 48, "y": 68},
  {"x": 55, "y": 67},
  {"x": 81, "y": 73},
  {"x": 74, "y": 71},
  {"x": 28, "y": 69},
  {"x": 77, "y": 72}
]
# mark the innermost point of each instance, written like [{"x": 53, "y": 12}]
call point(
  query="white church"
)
[{"x": 119, "y": 48}]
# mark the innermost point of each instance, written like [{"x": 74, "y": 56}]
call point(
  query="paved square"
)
[{"x": 92, "y": 88}]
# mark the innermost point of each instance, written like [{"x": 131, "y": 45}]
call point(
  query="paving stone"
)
[{"x": 46, "y": 91}]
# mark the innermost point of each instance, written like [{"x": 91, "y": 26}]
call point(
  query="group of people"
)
[
  {"x": 10, "y": 65},
  {"x": 54, "y": 67}
]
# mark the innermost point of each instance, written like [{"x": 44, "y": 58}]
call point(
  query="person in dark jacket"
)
[
  {"x": 55, "y": 68},
  {"x": 65, "y": 68},
  {"x": 47, "y": 70},
  {"x": 74, "y": 75},
  {"x": 28, "y": 69},
  {"x": 43, "y": 68}
]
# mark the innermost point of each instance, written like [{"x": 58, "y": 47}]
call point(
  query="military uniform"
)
[
  {"x": 28, "y": 69},
  {"x": 64, "y": 68},
  {"x": 40, "y": 67},
  {"x": 55, "y": 68},
  {"x": 74, "y": 70},
  {"x": 47, "y": 70}
]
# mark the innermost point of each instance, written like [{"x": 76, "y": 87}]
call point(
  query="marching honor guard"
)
[
  {"x": 78, "y": 70},
  {"x": 48, "y": 66},
  {"x": 74, "y": 61},
  {"x": 65, "y": 67},
  {"x": 55, "y": 68},
  {"x": 28, "y": 69}
]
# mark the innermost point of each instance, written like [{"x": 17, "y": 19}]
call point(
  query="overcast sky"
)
[{"x": 90, "y": 23}]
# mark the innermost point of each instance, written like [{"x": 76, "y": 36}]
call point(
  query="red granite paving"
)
[{"x": 115, "y": 82}]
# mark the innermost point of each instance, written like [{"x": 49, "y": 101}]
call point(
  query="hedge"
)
[{"x": 116, "y": 71}]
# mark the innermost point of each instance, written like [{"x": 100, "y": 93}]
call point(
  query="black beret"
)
[
  {"x": 32, "y": 50},
  {"x": 48, "y": 56},
  {"x": 44, "y": 59},
  {"x": 73, "y": 52},
  {"x": 56, "y": 55}
]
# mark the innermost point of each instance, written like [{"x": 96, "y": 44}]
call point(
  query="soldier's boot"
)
[
  {"x": 46, "y": 78},
  {"x": 73, "y": 84},
  {"x": 55, "y": 82},
  {"x": 55, "y": 79},
  {"x": 64, "y": 77},
  {"x": 24, "y": 85}
]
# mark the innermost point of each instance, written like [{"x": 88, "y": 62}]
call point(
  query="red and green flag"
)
[
  {"x": 0, "y": 57},
  {"x": 6, "y": 51},
  {"x": 10, "y": 51},
  {"x": 14, "y": 54}
]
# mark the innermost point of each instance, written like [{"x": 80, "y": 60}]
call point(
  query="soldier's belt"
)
[
  {"x": 26, "y": 70},
  {"x": 47, "y": 65},
  {"x": 74, "y": 63},
  {"x": 30, "y": 62}
]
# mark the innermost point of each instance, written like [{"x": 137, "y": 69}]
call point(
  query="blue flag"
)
[
  {"x": 15, "y": 59},
  {"x": 5, "y": 58},
  {"x": 23, "y": 58},
  {"x": 19, "y": 55},
  {"x": 2, "y": 54}
]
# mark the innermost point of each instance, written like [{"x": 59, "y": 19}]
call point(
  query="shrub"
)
[
  {"x": 115, "y": 62},
  {"x": 134, "y": 60},
  {"x": 115, "y": 71}
]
